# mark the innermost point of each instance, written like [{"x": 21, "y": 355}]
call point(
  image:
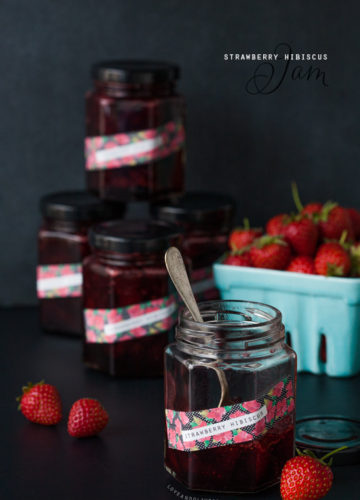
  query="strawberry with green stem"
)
[
  {"x": 270, "y": 252},
  {"x": 241, "y": 237},
  {"x": 302, "y": 234},
  {"x": 311, "y": 209},
  {"x": 40, "y": 403},
  {"x": 306, "y": 477},
  {"x": 298, "y": 229},
  {"x": 331, "y": 218},
  {"x": 333, "y": 259}
]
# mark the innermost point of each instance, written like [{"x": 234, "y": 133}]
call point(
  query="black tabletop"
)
[{"x": 126, "y": 461}]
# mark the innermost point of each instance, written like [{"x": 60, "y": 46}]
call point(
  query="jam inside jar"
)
[
  {"x": 229, "y": 398},
  {"x": 130, "y": 305},
  {"x": 135, "y": 144},
  {"x": 206, "y": 220},
  {"x": 62, "y": 246}
]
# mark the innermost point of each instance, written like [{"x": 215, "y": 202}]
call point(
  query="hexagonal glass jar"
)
[
  {"x": 135, "y": 135},
  {"x": 229, "y": 398},
  {"x": 130, "y": 304}
]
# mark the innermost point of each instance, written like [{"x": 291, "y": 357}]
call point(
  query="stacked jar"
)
[
  {"x": 135, "y": 144},
  {"x": 134, "y": 152},
  {"x": 134, "y": 155},
  {"x": 130, "y": 305},
  {"x": 62, "y": 246}
]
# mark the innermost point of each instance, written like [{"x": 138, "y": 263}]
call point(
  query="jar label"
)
[
  {"x": 228, "y": 425},
  {"x": 59, "y": 280},
  {"x": 203, "y": 284},
  {"x": 130, "y": 322},
  {"x": 134, "y": 148}
]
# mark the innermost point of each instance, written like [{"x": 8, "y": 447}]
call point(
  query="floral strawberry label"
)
[
  {"x": 135, "y": 148},
  {"x": 126, "y": 323},
  {"x": 203, "y": 285},
  {"x": 228, "y": 425},
  {"x": 59, "y": 280}
]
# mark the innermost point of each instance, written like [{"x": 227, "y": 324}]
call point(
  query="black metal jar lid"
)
[
  {"x": 79, "y": 206},
  {"x": 134, "y": 236},
  {"x": 325, "y": 433},
  {"x": 199, "y": 209},
  {"x": 135, "y": 71}
]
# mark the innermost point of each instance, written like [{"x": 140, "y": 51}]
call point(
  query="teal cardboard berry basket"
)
[{"x": 321, "y": 315}]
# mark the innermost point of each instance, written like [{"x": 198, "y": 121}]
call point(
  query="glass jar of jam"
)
[
  {"x": 130, "y": 306},
  {"x": 62, "y": 245},
  {"x": 135, "y": 144},
  {"x": 229, "y": 398},
  {"x": 206, "y": 220}
]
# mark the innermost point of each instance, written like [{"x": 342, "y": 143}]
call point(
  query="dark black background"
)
[{"x": 249, "y": 146}]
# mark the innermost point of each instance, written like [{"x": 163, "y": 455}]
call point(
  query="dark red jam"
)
[
  {"x": 191, "y": 386},
  {"x": 206, "y": 220},
  {"x": 130, "y": 306},
  {"x": 135, "y": 145},
  {"x": 62, "y": 245}
]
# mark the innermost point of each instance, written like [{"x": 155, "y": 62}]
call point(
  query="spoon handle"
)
[{"x": 177, "y": 272}]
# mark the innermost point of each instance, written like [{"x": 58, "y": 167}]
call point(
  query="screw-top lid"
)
[
  {"x": 323, "y": 434},
  {"x": 80, "y": 206},
  {"x": 130, "y": 236},
  {"x": 200, "y": 210},
  {"x": 127, "y": 71}
]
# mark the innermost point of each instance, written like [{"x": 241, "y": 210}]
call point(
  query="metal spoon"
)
[{"x": 177, "y": 272}]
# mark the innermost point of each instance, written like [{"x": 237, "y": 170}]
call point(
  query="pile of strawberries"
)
[{"x": 318, "y": 239}]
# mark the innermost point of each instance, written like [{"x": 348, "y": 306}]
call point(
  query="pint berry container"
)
[{"x": 321, "y": 314}]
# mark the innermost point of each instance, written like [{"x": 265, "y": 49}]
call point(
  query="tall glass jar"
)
[
  {"x": 62, "y": 246},
  {"x": 229, "y": 398},
  {"x": 130, "y": 305},
  {"x": 206, "y": 220},
  {"x": 135, "y": 144}
]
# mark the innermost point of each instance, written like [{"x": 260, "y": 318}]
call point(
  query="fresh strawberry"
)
[
  {"x": 271, "y": 252},
  {"x": 302, "y": 264},
  {"x": 40, "y": 403},
  {"x": 275, "y": 225},
  {"x": 87, "y": 418},
  {"x": 333, "y": 220},
  {"x": 238, "y": 259},
  {"x": 332, "y": 260},
  {"x": 312, "y": 208},
  {"x": 355, "y": 220},
  {"x": 241, "y": 237},
  {"x": 302, "y": 234},
  {"x": 306, "y": 477}
]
